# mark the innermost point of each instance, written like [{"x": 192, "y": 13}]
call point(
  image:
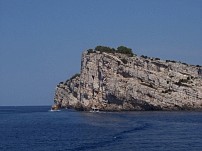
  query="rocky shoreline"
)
[{"x": 115, "y": 81}]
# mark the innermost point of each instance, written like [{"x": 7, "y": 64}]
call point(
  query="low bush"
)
[{"x": 120, "y": 49}]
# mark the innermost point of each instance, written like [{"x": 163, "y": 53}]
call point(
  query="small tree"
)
[
  {"x": 125, "y": 50},
  {"x": 104, "y": 49},
  {"x": 90, "y": 51}
]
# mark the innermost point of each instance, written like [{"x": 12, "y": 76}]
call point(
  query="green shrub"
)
[
  {"x": 120, "y": 49},
  {"x": 90, "y": 51},
  {"x": 171, "y": 61},
  {"x": 124, "y": 50},
  {"x": 184, "y": 63},
  {"x": 105, "y": 49},
  {"x": 144, "y": 56}
]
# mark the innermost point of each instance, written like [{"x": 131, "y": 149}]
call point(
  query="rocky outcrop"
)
[{"x": 117, "y": 82}]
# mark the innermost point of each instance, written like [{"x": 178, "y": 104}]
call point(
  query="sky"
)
[{"x": 41, "y": 41}]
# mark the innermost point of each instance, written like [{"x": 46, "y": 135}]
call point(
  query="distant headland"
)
[{"x": 118, "y": 80}]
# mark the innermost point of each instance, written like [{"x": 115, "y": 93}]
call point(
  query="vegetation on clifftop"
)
[
  {"x": 124, "y": 50},
  {"x": 74, "y": 76},
  {"x": 120, "y": 49}
]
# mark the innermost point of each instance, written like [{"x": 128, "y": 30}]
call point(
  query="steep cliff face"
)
[{"x": 117, "y": 82}]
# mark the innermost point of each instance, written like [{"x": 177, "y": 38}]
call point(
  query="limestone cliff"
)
[{"x": 117, "y": 82}]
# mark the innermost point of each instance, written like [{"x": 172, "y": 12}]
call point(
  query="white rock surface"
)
[{"x": 105, "y": 82}]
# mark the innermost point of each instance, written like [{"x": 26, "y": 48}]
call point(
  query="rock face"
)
[{"x": 117, "y": 82}]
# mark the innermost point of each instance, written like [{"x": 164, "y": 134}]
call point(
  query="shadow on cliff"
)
[{"x": 137, "y": 104}]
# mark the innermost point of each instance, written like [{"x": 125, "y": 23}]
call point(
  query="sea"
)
[{"x": 36, "y": 128}]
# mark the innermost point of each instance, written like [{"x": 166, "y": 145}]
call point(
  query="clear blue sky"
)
[{"x": 41, "y": 41}]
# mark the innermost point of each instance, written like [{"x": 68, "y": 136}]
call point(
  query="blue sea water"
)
[{"x": 37, "y": 129}]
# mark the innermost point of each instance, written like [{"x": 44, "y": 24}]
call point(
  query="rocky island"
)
[{"x": 118, "y": 80}]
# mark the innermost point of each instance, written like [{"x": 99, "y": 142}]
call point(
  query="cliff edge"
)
[{"x": 113, "y": 81}]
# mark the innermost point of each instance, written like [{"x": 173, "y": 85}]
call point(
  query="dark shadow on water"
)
[{"x": 114, "y": 139}]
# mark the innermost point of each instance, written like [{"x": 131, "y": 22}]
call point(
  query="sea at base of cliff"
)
[{"x": 35, "y": 128}]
